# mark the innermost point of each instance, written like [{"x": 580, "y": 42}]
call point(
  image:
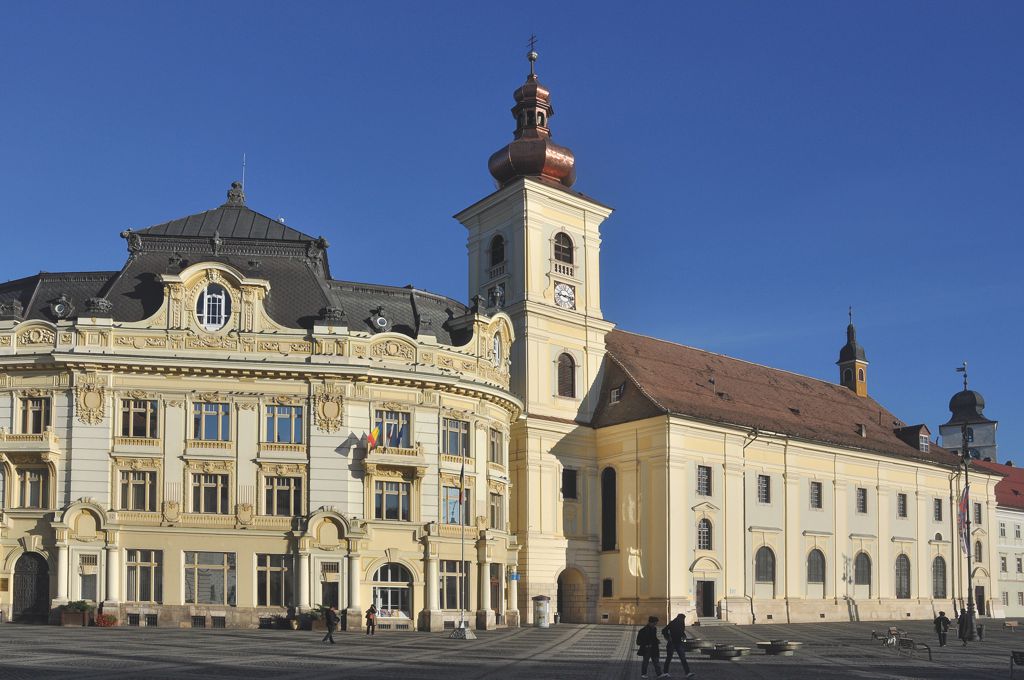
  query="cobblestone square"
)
[{"x": 561, "y": 652}]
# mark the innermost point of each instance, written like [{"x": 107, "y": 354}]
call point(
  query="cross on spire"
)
[
  {"x": 963, "y": 369},
  {"x": 532, "y": 54},
  {"x": 851, "y": 314}
]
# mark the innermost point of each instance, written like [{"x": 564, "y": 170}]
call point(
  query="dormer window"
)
[
  {"x": 615, "y": 395},
  {"x": 924, "y": 443},
  {"x": 213, "y": 308}
]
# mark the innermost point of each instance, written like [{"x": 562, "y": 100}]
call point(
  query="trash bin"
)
[
  {"x": 558, "y": 617},
  {"x": 541, "y": 609}
]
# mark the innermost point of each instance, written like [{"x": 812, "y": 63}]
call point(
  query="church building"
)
[{"x": 221, "y": 434}]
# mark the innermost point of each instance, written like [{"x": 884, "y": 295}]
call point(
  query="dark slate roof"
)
[
  {"x": 229, "y": 221},
  {"x": 681, "y": 380},
  {"x": 37, "y": 293}
]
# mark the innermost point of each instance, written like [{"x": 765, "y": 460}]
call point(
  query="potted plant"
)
[
  {"x": 106, "y": 620},
  {"x": 317, "y": 618},
  {"x": 75, "y": 613}
]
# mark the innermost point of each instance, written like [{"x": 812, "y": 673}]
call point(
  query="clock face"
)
[{"x": 565, "y": 296}]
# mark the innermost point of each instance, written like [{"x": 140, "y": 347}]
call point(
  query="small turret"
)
[{"x": 853, "y": 363}]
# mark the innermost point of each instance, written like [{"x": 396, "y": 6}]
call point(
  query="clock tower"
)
[{"x": 534, "y": 252}]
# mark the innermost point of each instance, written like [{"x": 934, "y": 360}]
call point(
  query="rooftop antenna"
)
[
  {"x": 963, "y": 369},
  {"x": 243, "y": 171}
]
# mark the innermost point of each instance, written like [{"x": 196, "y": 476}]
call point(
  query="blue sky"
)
[{"x": 770, "y": 163}]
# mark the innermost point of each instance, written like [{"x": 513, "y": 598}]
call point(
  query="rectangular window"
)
[
  {"x": 703, "y": 480},
  {"x": 210, "y": 578},
  {"x": 923, "y": 443},
  {"x": 1020, "y": 599},
  {"x": 450, "y": 506},
  {"x": 87, "y": 577},
  {"x": 1016, "y": 531},
  {"x": 35, "y": 415},
  {"x": 284, "y": 424},
  {"x": 35, "y": 488},
  {"x": 1002, "y": 563},
  {"x": 862, "y": 500},
  {"x": 937, "y": 509},
  {"x": 569, "y": 480},
  {"x": 282, "y": 496},
  {"x": 138, "y": 490},
  {"x": 1002, "y": 530},
  {"x": 901, "y": 505},
  {"x": 496, "y": 448},
  {"x": 454, "y": 584},
  {"x": 816, "y": 500},
  {"x": 615, "y": 394},
  {"x": 273, "y": 580},
  {"x": 1020, "y": 566},
  {"x": 145, "y": 577},
  {"x": 1006, "y": 598},
  {"x": 210, "y": 493},
  {"x": 455, "y": 437},
  {"x": 139, "y": 418},
  {"x": 394, "y": 428},
  {"x": 391, "y": 500},
  {"x": 497, "y": 508},
  {"x": 764, "y": 489},
  {"x": 211, "y": 421},
  {"x": 977, "y": 513},
  {"x": 606, "y": 588}
]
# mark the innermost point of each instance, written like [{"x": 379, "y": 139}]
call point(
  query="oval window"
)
[{"x": 213, "y": 308}]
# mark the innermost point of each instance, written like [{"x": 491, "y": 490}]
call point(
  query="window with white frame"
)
[
  {"x": 210, "y": 578},
  {"x": 35, "y": 415},
  {"x": 213, "y": 307},
  {"x": 210, "y": 493},
  {"x": 450, "y": 505},
  {"x": 862, "y": 500},
  {"x": 87, "y": 583},
  {"x": 1006, "y": 598},
  {"x": 393, "y": 427},
  {"x": 145, "y": 575},
  {"x": 138, "y": 490},
  {"x": 496, "y": 448},
  {"x": 901, "y": 505},
  {"x": 391, "y": 500},
  {"x": 282, "y": 496},
  {"x": 704, "y": 534},
  {"x": 703, "y": 480},
  {"x": 273, "y": 580},
  {"x": 977, "y": 513},
  {"x": 816, "y": 495},
  {"x": 1020, "y": 599},
  {"x": 923, "y": 443},
  {"x": 34, "y": 488},
  {"x": 497, "y": 511},
  {"x": 1020, "y": 566},
  {"x": 140, "y": 418},
  {"x": 1002, "y": 530},
  {"x": 1002, "y": 563},
  {"x": 1016, "y": 531},
  {"x": 455, "y": 437},
  {"x": 284, "y": 424},
  {"x": 454, "y": 584},
  {"x": 211, "y": 421},
  {"x": 392, "y": 591},
  {"x": 764, "y": 489},
  {"x": 937, "y": 509}
]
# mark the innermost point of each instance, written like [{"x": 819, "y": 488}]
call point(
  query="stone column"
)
[
  {"x": 62, "y": 572},
  {"x": 354, "y": 613},
  {"x": 430, "y": 617},
  {"x": 512, "y": 608},
  {"x": 485, "y": 615},
  {"x": 303, "y": 598},
  {"x": 113, "y": 575}
]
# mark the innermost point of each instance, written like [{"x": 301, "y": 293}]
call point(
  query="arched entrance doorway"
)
[
  {"x": 31, "y": 601},
  {"x": 571, "y": 600}
]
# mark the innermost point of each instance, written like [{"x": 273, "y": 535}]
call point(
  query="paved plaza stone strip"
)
[{"x": 563, "y": 652}]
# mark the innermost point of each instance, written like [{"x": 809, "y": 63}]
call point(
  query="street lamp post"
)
[{"x": 965, "y": 459}]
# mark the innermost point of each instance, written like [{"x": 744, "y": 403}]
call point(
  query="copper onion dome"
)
[{"x": 532, "y": 153}]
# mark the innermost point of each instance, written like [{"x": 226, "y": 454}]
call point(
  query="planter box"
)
[{"x": 73, "y": 618}]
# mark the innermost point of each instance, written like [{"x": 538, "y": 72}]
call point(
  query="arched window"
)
[
  {"x": 497, "y": 250},
  {"x": 213, "y": 308},
  {"x": 3, "y": 487},
  {"x": 862, "y": 570},
  {"x": 608, "y": 505},
  {"x": 497, "y": 350},
  {"x": 704, "y": 534},
  {"x": 566, "y": 376},
  {"x": 816, "y": 567},
  {"x": 393, "y": 595},
  {"x": 847, "y": 376},
  {"x": 902, "y": 577},
  {"x": 939, "y": 578},
  {"x": 977, "y": 551},
  {"x": 563, "y": 247},
  {"x": 764, "y": 565},
  {"x": 860, "y": 374}
]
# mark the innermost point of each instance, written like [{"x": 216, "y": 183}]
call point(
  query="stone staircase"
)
[{"x": 713, "y": 621}]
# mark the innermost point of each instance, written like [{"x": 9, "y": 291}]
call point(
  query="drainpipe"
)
[{"x": 750, "y": 597}]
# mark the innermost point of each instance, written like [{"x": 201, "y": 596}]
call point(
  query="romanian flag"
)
[{"x": 372, "y": 438}]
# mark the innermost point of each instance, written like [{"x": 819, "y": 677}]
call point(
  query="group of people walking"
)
[
  {"x": 650, "y": 647},
  {"x": 331, "y": 620}
]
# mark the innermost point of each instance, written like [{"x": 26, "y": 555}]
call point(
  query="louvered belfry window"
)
[{"x": 566, "y": 376}]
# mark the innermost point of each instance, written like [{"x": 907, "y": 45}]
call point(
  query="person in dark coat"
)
[
  {"x": 371, "y": 620},
  {"x": 963, "y": 625},
  {"x": 649, "y": 647},
  {"x": 941, "y": 627},
  {"x": 331, "y": 620},
  {"x": 675, "y": 634}
]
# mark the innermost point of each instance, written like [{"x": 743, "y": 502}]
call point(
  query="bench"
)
[
  {"x": 1016, "y": 659},
  {"x": 910, "y": 647},
  {"x": 1011, "y": 625}
]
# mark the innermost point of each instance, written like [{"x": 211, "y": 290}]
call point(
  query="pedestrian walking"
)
[
  {"x": 649, "y": 648},
  {"x": 331, "y": 620},
  {"x": 963, "y": 625},
  {"x": 941, "y": 627},
  {"x": 674, "y": 634},
  {"x": 371, "y": 620}
]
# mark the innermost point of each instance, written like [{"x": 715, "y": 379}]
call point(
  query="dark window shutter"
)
[{"x": 566, "y": 376}]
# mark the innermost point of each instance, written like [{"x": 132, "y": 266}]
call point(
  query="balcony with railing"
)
[
  {"x": 563, "y": 268},
  {"x": 496, "y": 271},
  {"x": 397, "y": 456},
  {"x": 46, "y": 444}
]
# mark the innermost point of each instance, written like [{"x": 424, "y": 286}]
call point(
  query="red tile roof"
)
[
  {"x": 1010, "y": 489},
  {"x": 696, "y": 383}
]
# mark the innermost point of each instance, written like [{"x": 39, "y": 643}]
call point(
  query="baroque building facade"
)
[{"x": 187, "y": 440}]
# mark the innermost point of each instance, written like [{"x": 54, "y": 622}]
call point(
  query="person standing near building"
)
[
  {"x": 649, "y": 649},
  {"x": 331, "y": 620},
  {"x": 941, "y": 627},
  {"x": 371, "y": 620},
  {"x": 675, "y": 634}
]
